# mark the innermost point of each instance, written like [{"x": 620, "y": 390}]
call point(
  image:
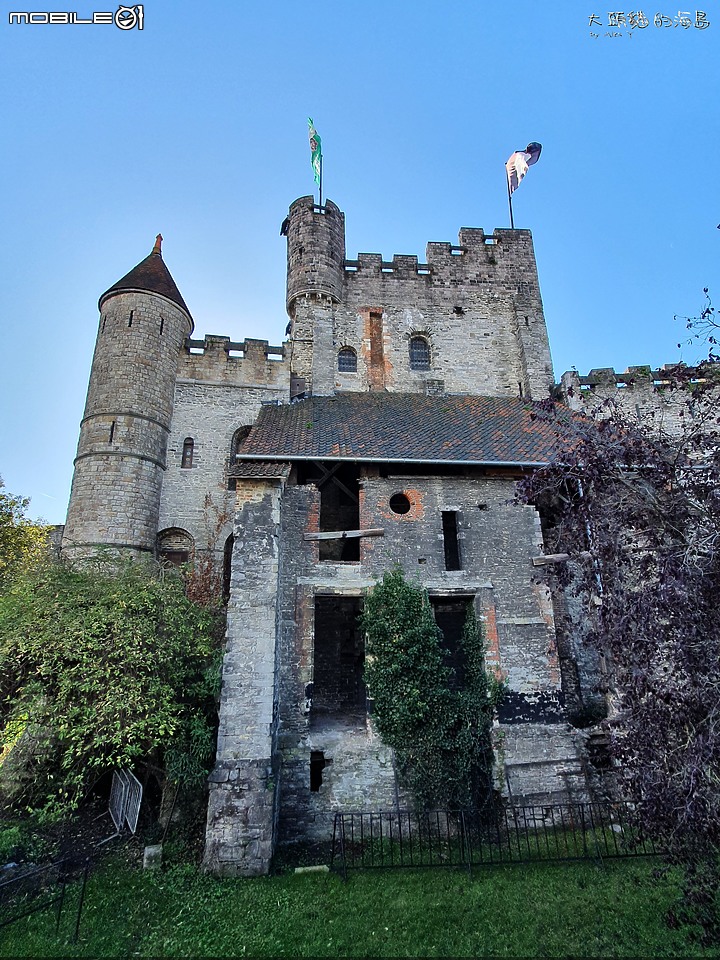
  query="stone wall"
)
[
  {"x": 477, "y": 304},
  {"x": 497, "y": 542},
  {"x": 216, "y": 393},
  {"x": 241, "y": 804},
  {"x": 651, "y": 398}
]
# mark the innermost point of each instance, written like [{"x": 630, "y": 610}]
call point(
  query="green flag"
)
[{"x": 316, "y": 150}]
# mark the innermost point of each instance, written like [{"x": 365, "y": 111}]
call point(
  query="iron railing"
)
[
  {"x": 497, "y": 835},
  {"x": 44, "y": 888}
]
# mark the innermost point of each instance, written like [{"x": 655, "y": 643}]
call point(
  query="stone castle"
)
[{"x": 389, "y": 428}]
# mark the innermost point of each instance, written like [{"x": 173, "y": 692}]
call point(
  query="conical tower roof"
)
[{"x": 151, "y": 275}]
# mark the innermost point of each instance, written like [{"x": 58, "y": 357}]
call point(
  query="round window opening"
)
[{"x": 399, "y": 503}]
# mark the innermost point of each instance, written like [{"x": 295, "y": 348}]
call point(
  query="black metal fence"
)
[
  {"x": 45, "y": 888},
  {"x": 501, "y": 835}
]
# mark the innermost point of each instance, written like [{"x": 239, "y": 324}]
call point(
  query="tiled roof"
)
[
  {"x": 265, "y": 469},
  {"x": 404, "y": 427},
  {"x": 150, "y": 274}
]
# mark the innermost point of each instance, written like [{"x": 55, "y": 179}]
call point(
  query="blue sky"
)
[{"x": 196, "y": 127}]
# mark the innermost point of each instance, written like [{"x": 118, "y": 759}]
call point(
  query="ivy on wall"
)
[{"x": 440, "y": 733}]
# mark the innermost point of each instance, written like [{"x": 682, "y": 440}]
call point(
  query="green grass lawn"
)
[{"x": 558, "y": 910}]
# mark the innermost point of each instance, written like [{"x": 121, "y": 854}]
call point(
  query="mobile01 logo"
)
[{"x": 125, "y": 18}]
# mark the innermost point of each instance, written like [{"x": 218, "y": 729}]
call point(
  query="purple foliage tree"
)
[{"x": 638, "y": 511}]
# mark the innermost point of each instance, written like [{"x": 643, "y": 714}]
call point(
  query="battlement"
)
[
  {"x": 246, "y": 362},
  {"x": 474, "y": 248},
  {"x": 317, "y": 264},
  {"x": 240, "y": 350},
  {"x": 642, "y": 376},
  {"x": 638, "y": 394}
]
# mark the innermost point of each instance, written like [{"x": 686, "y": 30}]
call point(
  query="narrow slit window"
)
[
  {"x": 450, "y": 539},
  {"x": 187, "y": 453},
  {"x": 130, "y": 318},
  {"x": 227, "y": 567},
  {"x": 162, "y": 325},
  {"x": 112, "y": 432}
]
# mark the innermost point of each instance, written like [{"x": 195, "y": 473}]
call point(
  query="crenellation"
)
[
  {"x": 405, "y": 265},
  {"x": 633, "y": 375},
  {"x": 640, "y": 394},
  {"x": 369, "y": 263},
  {"x": 246, "y": 363}
]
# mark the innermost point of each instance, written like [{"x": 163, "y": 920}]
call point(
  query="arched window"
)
[
  {"x": 175, "y": 546},
  {"x": 419, "y": 353},
  {"x": 237, "y": 439},
  {"x": 347, "y": 360},
  {"x": 235, "y": 444},
  {"x": 187, "y": 454}
]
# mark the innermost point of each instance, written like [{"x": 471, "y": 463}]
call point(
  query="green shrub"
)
[
  {"x": 113, "y": 669},
  {"x": 440, "y": 734}
]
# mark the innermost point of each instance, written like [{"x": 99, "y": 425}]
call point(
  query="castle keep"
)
[{"x": 390, "y": 428}]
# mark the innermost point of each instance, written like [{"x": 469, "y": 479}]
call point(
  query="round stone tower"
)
[
  {"x": 315, "y": 251},
  {"x": 315, "y": 283},
  {"x": 115, "y": 496}
]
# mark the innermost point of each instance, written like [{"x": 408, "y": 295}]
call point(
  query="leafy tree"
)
[
  {"x": 109, "y": 670},
  {"x": 441, "y": 735},
  {"x": 23, "y": 543},
  {"x": 638, "y": 511}
]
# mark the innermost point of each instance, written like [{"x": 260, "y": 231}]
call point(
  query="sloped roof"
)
[
  {"x": 262, "y": 469},
  {"x": 152, "y": 275},
  {"x": 405, "y": 427}
]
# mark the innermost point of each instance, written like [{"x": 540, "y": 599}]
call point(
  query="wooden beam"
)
[
  {"x": 330, "y": 475},
  {"x": 344, "y": 534},
  {"x": 550, "y": 558}
]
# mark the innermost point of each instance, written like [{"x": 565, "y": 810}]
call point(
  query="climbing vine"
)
[{"x": 439, "y": 728}]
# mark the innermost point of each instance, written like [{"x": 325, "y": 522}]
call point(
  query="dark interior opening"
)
[
  {"x": 399, "y": 503},
  {"x": 227, "y": 566},
  {"x": 450, "y": 539},
  {"x": 450, "y": 616},
  {"x": 175, "y": 558},
  {"x": 318, "y": 762},
  {"x": 339, "y": 506},
  {"x": 338, "y": 686}
]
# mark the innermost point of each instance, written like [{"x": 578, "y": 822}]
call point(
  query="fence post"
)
[
  {"x": 61, "y": 897},
  {"x": 82, "y": 900},
  {"x": 464, "y": 843},
  {"x": 342, "y": 847}
]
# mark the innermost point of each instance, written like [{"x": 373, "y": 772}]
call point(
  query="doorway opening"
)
[{"x": 339, "y": 649}]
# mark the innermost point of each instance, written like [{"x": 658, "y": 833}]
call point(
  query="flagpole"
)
[
  {"x": 507, "y": 181},
  {"x": 321, "y": 165}
]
